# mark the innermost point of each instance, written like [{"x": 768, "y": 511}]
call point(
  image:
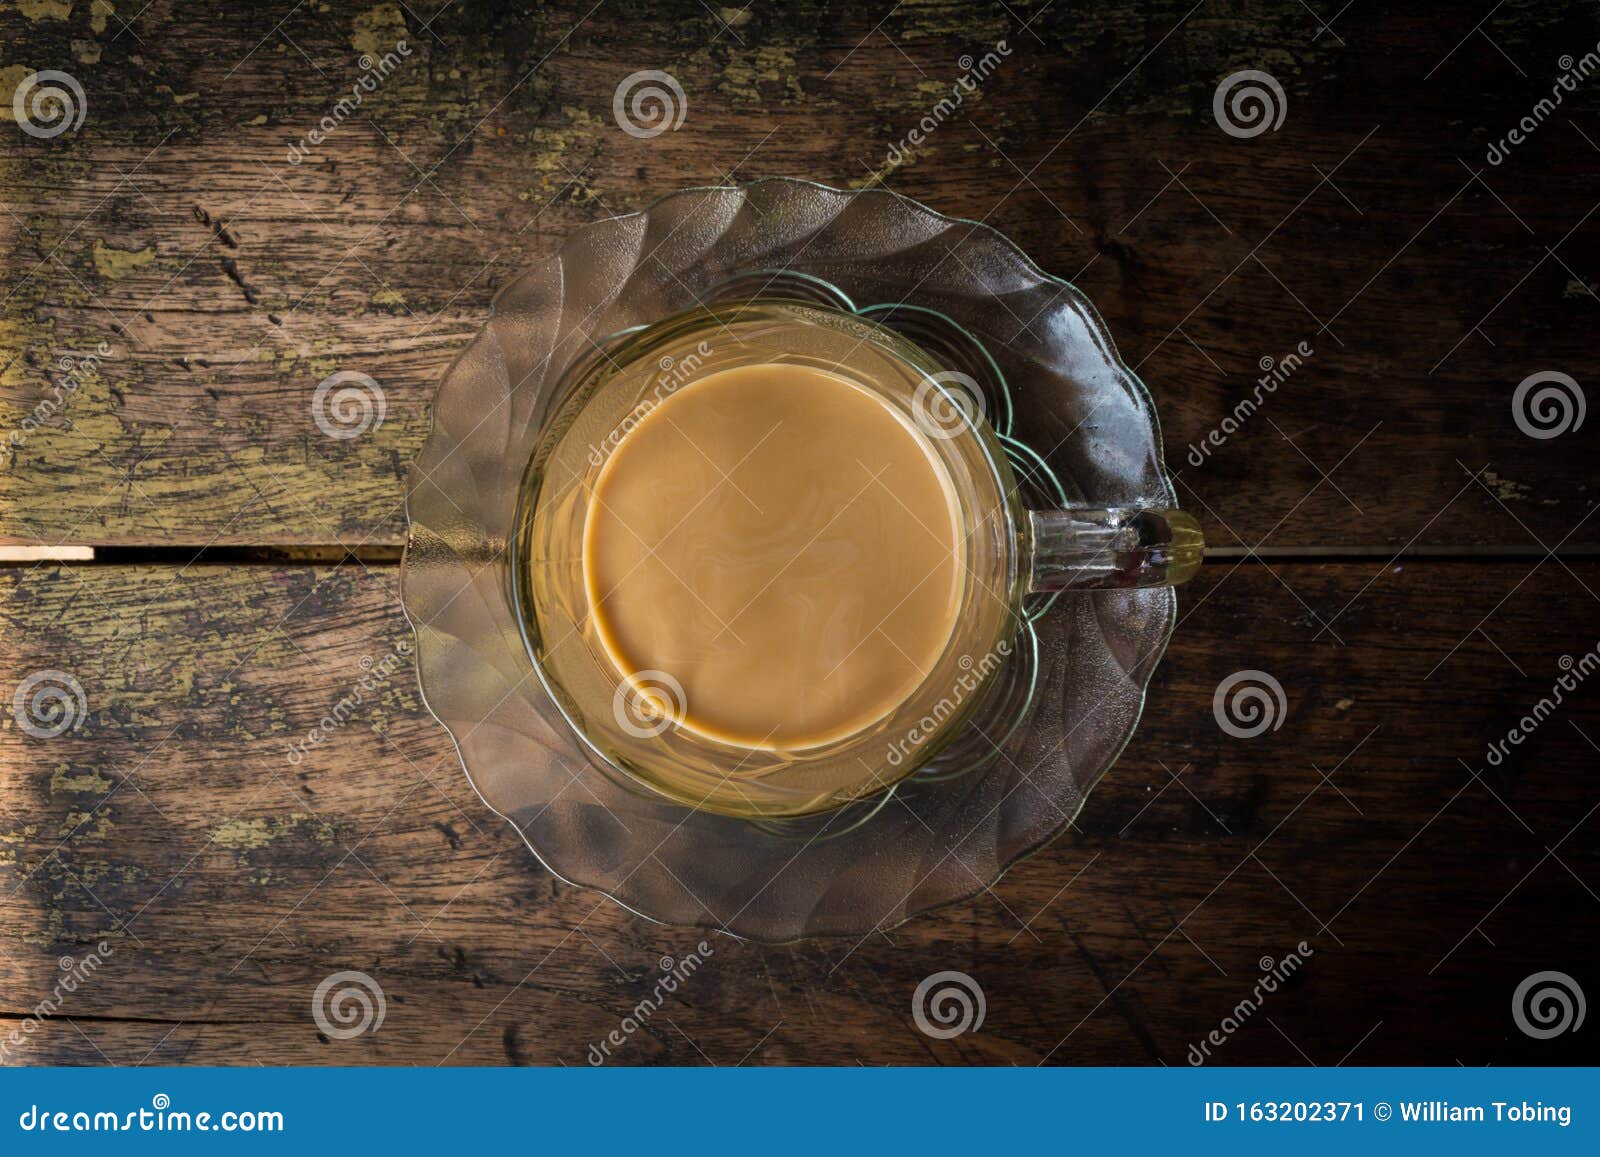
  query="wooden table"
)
[{"x": 1390, "y": 545}]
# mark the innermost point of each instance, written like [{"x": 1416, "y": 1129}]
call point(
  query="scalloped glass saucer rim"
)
[{"x": 1114, "y": 357}]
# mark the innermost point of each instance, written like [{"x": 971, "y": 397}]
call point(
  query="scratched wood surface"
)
[
  {"x": 226, "y": 282},
  {"x": 228, "y": 882}
]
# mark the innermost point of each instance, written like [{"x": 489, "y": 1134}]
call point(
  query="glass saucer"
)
[{"x": 1080, "y": 429}]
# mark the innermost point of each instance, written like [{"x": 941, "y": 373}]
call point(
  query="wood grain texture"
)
[
  {"x": 227, "y": 282},
  {"x": 227, "y": 881}
]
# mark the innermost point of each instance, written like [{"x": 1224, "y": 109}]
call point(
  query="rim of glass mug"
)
[{"x": 1030, "y": 551}]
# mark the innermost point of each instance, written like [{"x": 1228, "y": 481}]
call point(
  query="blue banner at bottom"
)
[{"x": 804, "y": 1110}]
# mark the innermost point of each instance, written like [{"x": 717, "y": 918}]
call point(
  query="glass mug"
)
[{"x": 635, "y": 724}]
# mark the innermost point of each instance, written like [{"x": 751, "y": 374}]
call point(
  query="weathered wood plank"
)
[
  {"x": 227, "y": 282},
  {"x": 228, "y": 882}
]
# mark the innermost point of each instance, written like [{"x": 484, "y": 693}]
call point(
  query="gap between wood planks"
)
[
  {"x": 333, "y": 554},
  {"x": 193, "y": 554}
]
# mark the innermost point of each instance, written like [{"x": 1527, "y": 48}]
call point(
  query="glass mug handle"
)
[{"x": 1111, "y": 548}]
